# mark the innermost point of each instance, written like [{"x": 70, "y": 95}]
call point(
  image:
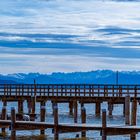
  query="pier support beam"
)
[
  {"x": 110, "y": 109},
  {"x": 75, "y": 111},
  {"x": 13, "y": 120},
  {"x": 33, "y": 105},
  {"x": 98, "y": 109},
  {"x": 42, "y": 103},
  {"x": 71, "y": 108},
  {"x": 29, "y": 104},
  {"x": 134, "y": 112},
  {"x": 53, "y": 105},
  {"x": 83, "y": 119},
  {"x": 20, "y": 107},
  {"x": 124, "y": 109},
  {"x": 133, "y": 137},
  {"x": 133, "y": 117},
  {"x": 3, "y": 117},
  {"x": 42, "y": 118},
  {"x": 127, "y": 110},
  {"x": 104, "y": 137},
  {"x": 56, "y": 133},
  {"x": 4, "y": 103},
  {"x": 82, "y": 105}
]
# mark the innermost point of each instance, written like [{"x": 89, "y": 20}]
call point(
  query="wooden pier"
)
[
  {"x": 106, "y": 130},
  {"x": 73, "y": 94}
]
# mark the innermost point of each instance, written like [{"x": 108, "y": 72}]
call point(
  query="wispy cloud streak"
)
[{"x": 94, "y": 33}]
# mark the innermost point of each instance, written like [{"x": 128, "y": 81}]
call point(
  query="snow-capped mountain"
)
[{"x": 93, "y": 77}]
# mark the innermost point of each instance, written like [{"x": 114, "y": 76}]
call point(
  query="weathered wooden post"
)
[
  {"x": 4, "y": 103},
  {"x": 71, "y": 108},
  {"x": 13, "y": 121},
  {"x": 29, "y": 103},
  {"x": 3, "y": 117},
  {"x": 127, "y": 110},
  {"x": 83, "y": 115},
  {"x": 98, "y": 109},
  {"x": 110, "y": 109},
  {"x": 20, "y": 107},
  {"x": 124, "y": 109},
  {"x": 104, "y": 137},
  {"x": 134, "y": 112},
  {"x": 42, "y": 103},
  {"x": 42, "y": 118},
  {"x": 56, "y": 133},
  {"x": 34, "y": 98},
  {"x": 75, "y": 111},
  {"x": 53, "y": 104},
  {"x": 133, "y": 117},
  {"x": 32, "y": 109},
  {"x": 33, "y": 105},
  {"x": 82, "y": 105},
  {"x": 5, "y": 93}
]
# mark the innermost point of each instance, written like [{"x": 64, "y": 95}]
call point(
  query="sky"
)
[{"x": 69, "y": 35}]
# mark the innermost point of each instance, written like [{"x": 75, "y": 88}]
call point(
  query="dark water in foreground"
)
[{"x": 65, "y": 118}]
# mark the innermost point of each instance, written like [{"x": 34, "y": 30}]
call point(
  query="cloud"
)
[
  {"x": 62, "y": 35},
  {"x": 53, "y": 63}
]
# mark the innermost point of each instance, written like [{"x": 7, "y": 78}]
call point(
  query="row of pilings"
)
[{"x": 73, "y": 110}]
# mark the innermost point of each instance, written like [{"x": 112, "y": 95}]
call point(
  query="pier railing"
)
[{"x": 72, "y": 90}]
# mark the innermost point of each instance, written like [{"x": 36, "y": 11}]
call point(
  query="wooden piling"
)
[
  {"x": 42, "y": 118},
  {"x": 13, "y": 120},
  {"x": 83, "y": 119},
  {"x": 20, "y": 107},
  {"x": 42, "y": 103},
  {"x": 33, "y": 105},
  {"x": 104, "y": 137},
  {"x": 110, "y": 109},
  {"x": 29, "y": 104},
  {"x": 53, "y": 104},
  {"x": 56, "y": 133},
  {"x": 71, "y": 108},
  {"x": 124, "y": 109},
  {"x": 34, "y": 98},
  {"x": 3, "y": 117},
  {"x": 98, "y": 109},
  {"x": 82, "y": 105},
  {"x": 133, "y": 117},
  {"x": 134, "y": 112},
  {"x": 132, "y": 136},
  {"x": 4, "y": 103},
  {"x": 127, "y": 110},
  {"x": 75, "y": 111}
]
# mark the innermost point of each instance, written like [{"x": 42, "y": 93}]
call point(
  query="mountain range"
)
[{"x": 92, "y": 77}]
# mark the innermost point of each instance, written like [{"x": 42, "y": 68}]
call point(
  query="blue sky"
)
[{"x": 69, "y": 35}]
